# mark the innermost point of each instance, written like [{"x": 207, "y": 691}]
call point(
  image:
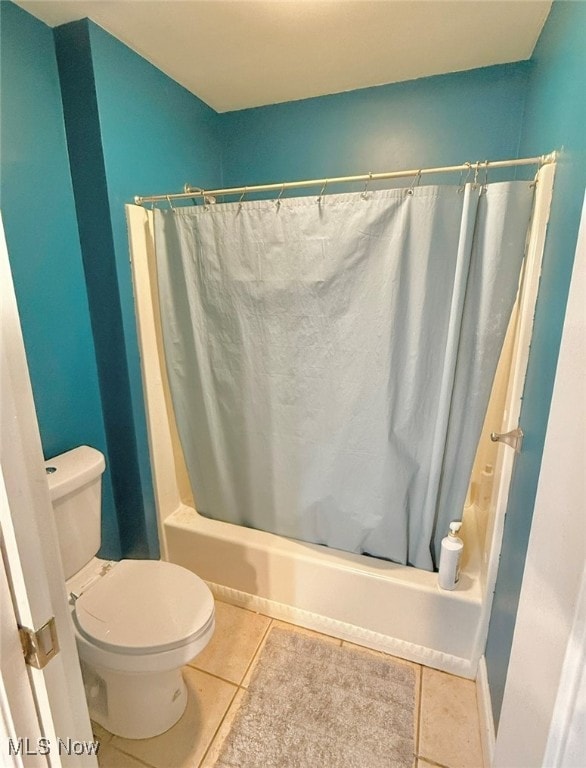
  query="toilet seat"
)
[{"x": 144, "y": 607}]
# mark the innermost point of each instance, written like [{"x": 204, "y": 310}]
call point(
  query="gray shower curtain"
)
[{"x": 331, "y": 361}]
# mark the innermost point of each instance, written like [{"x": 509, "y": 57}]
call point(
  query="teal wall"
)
[
  {"x": 167, "y": 138},
  {"x": 555, "y": 117},
  {"x": 130, "y": 130},
  {"x": 93, "y": 215},
  {"x": 43, "y": 243},
  {"x": 433, "y": 121}
]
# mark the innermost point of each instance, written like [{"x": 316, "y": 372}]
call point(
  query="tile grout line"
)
[
  {"x": 432, "y": 762},
  {"x": 129, "y": 754},
  {"x": 211, "y": 674},
  {"x": 209, "y": 746},
  {"x": 419, "y": 708},
  {"x": 122, "y": 751},
  {"x": 256, "y": 652},
  {"x": 239, "y": 687}
]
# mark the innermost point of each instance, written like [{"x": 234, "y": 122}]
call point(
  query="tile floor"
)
[{"x": 446, "y": 722}]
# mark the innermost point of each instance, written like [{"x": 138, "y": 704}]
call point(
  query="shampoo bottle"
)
[{"x": 451, "y": 552}]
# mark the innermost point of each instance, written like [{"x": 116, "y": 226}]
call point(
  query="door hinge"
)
[
  {"x": 514, "y": 438},
  {"x": 39, "y": 646}
]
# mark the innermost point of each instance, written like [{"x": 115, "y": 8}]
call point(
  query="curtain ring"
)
[
  {"x": 278, "y": 201},
  {"x": 469, "y": 171},
  {"x": 476, "y": 170},
  {"x": 321, "y": 194},
  {"x": 414, "y": 183},
  {"x": 364, "y": 194},
  {"x": 241, "y": 199},
  {"x": 170, "y": 203},
  {"x": 485, "y": 184}
]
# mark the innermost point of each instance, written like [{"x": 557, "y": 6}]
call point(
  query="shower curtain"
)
[{"x": 331, "y": 360}]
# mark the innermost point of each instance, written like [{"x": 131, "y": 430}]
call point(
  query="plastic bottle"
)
[{"x": 451, "y": 552}]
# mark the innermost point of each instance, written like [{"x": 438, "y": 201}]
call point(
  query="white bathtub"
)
[
  {"x": 375, "y": 603},
  {"x": 384, "y": 606}
]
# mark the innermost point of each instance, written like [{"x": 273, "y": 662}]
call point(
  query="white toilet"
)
[{"x": 137, "y": 622}]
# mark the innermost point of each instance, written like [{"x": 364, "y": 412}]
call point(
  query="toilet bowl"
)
[{"x": 136, "y": 622}]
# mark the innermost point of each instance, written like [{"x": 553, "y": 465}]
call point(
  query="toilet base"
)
[{"x": 134, "y": 705}]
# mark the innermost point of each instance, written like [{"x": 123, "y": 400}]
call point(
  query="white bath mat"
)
[{"x": 312, "y": 704}]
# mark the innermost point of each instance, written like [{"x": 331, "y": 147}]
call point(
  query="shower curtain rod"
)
[{"x": 484, "y": 165}]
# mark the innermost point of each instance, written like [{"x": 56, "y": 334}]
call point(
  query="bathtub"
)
[{"x": 381, "y": 605}]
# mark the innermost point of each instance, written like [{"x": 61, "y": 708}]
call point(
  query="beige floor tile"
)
[
  {"x": 236, "y": 638},
  {"x": 424, "y": 764},
  {"x": 108, "y": 757},
  {"x": 416, "y": 668},
  {"x": 100, "y": 734},
  {"x": 449, "y": 731},
  {"x": 184, "y": 745},
  {"x": 293, "y": 628},
  {"x": 216, "y": 746}
]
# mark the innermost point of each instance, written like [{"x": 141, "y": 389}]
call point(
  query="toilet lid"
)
[{"x": 143, "y": 606}]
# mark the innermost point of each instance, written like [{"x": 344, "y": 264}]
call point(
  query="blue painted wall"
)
[
  {"x": 167, "y": 137},
  {"x": 43, "y": 242},
  {"x": 555, "y": 117},
  {"x": 131, "y": 130},
  {"x": 433, "y": 121},
  {"x": 97, "y": 248}
]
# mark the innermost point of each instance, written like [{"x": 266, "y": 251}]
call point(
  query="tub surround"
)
[
  {"x": 382, "y": 605},
  {"x": 398, "y": 609}
]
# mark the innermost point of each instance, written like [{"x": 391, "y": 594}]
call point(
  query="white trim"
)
[
  {"x": 139, "y": 223},
  {"x": 29, "y": 540},
  {"x": 566, "y": 744},
  {"x": 506, "y": 457},
  {"x": 18, "y": 715},
  {"x": 485, "y": 718},
  {"x": 547, "y": 627},
  {"x": 344, "y": 631}
]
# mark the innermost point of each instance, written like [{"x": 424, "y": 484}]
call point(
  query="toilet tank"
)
[{"x": 75, "y": 487}]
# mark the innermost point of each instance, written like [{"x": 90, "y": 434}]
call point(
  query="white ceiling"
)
[{"x": 243, "y": 53}]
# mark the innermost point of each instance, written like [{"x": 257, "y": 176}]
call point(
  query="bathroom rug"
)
[{"x": 313, "y": 704}]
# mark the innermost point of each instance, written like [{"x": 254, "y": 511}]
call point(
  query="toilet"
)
[{"x": 136, "y": 622}]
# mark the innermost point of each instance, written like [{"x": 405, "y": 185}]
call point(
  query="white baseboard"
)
[{"x": 487, "y": 732}]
